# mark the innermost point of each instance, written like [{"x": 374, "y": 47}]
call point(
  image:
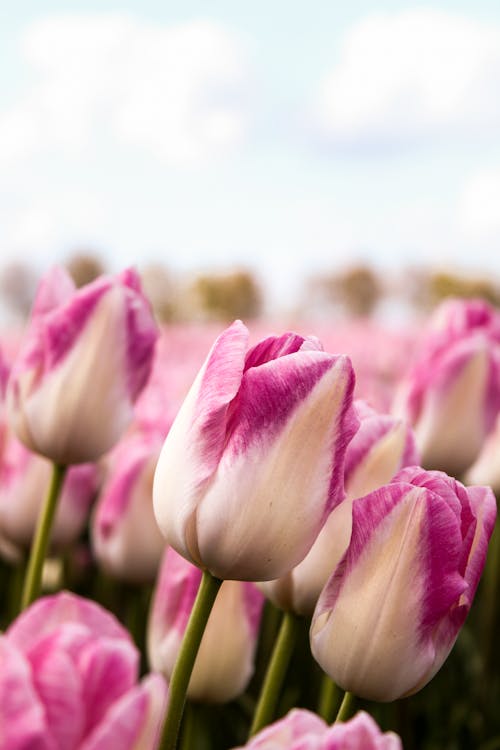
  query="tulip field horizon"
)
[{"x": 248, "y": 533}]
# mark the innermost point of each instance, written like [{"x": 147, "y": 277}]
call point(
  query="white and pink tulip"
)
[
  {"x": 253, "y": 463},
  {"x": 390, "y": 613},
  {"x": 225, "y": 661},
  {"x": 85, "y": 358}
]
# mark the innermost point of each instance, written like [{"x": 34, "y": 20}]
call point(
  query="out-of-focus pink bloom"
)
[
  {"x": 381, "y": 447},
  {"x": 303, "y": 730},
  {"x": 253, "y": 463},
  {"x": 225, "y": 661},
  {"x": 486, "y": 468},
  {"x": 86, "y": 356},
  {"x": 452, "y": 393},
  {"x": 392, "y": 610},
  {"x": 125, "y": 536},
  {"x": 24, "y": 478},
  {"x": 68, "y": 680}
]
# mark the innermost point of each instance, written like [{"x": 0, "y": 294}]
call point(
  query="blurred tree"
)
[
  {"x": 357, "y": 289},
  {"x": 17, "y": 287},
  {"x": 84, "y": 266},
  {"x": 163, "y": 292},
  {"x": 427, "y": 288},
  {"x": 227, "y": 296}
]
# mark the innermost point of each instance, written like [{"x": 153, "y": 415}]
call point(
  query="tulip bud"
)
[
  {"x": 301, "y": 729},
  {"x": 391, "y": 611},
  {"x": 253, "y": 463},
  {"x": 225, "y": 661},
  {"x": 452, "y": 393},
  {"x": 86, "y": 357},
  {"x": 125, "y": 536},
  {"x": 381, "y": 447},
  {"x": 69, "y": 680},
  {"x": 24, "y": 477}
]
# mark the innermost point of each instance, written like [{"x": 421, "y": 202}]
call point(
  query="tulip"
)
[
  {"x": 86, "y": 356},
  {"x": 225, "y": 660},
  {"x": 452, "y": 393},
  {"x": 301, "y": 729},
  {"x": 126, "y": 539},
  {"x": 23, "y": 479},
  {"x": 68, "y": 679},
  {"x": 253, "y": 463},
  {"x": 381, "y": 447},
  {"x": 392, "y": 610}
]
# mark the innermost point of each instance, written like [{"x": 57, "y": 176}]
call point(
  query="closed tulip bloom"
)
[
  {"x": 392, "y": 610},
  {"x": 68, "y": 680},
  {"x": 253, "y": 464},
  {"x": 452, "y": 393},
  {"x": 225, "y": 661},
  {"x": 381, "y": 447},
  {"x": 86, "y": 356},
  {"x": 125, "y": 536},
  {"x": 24, "y": 477},
  {"x": 303, "y": 730}
]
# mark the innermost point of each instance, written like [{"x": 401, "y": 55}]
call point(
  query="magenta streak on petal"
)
[
  {"x": 492, "y": 394},
  {"x": 254, "y": 601},
  {"x": 80, "y": 485},
  {"x": 442, "y": 547},
  {"x": 272, "y": 348},
  {"x": 347, "y": 426},
  {"x": 484, "y": 508},
  {"x": 372, "y": 428},
  {"x": 121, "y": 724},
  {"x": 268, "y": 396},
  {"x": 219, "y": 385},
  {"x": 141, "y": 334},
  {"x": 177, "y": 587}
]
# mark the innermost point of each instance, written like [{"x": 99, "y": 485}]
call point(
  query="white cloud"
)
[
  {"x": 409, "y": 76},
  {"x": 176, "y": 91}
]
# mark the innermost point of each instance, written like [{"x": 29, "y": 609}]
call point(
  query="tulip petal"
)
[
  {"x": 196, "y": 439},
  {"x": 290, "y": 475},
  {"x": 58, "y": 685},
  {"x": 23, "y": 724},
  {"x": 397, "y": 580},
  {"x": 48, "y": 613},
  {"x": 133, "y": 722},
  {"x": 298, "y": 730}
]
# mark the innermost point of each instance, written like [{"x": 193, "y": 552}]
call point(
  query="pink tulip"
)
[
  {"x": 86, "y": 356},
  {"x": 452, "y": 394},
  {"x": 225, "y": 661},
  {"x": 24, "y": 478},
  {"x": 253, "y": 463},
  {"x": 390, "y": 613},
  {"x": 486, "y": 468},
  {"x": 125, "y": 536},
  {"x": 381, "y": 447},
  {"x": 303, "y": 730},
  {"x": 68, "y": 681}
]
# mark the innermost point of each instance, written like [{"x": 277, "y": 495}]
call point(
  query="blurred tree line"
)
[{"x": 356, "y": 290}]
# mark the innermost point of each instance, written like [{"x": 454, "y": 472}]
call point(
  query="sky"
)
[{"x": 288, "y": 138}]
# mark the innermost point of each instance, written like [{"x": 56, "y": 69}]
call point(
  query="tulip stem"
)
[
  {"x": 345, "y": 709},
  {"x": 276, "y": 672},
  {"x": 33, "y": 579},
  {"x": 200, "y": 613},
  {"x": 329, "y": 698}
]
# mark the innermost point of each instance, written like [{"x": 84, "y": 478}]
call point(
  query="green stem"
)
[
  {"x": 40, "y": 543},
  {"x": 188, "y": 725},
  {"x": 276, "y": 672},
  {"x": 328, "y": 699},
  {"x": 200, "y": 613},
  {"x": 345, "y": 709}
]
